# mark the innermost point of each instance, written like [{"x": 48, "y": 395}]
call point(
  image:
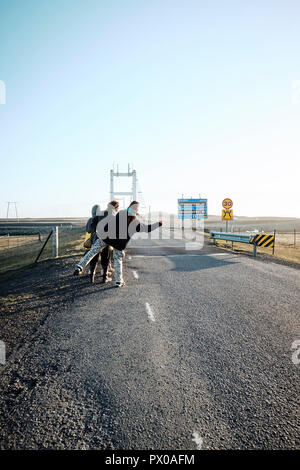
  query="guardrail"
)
[{"x": 255, "y": 240}]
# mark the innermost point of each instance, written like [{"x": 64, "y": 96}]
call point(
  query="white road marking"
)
[
  {"x": 168, "y": 256},
  {"x": 157, "y": 246},
  {"x": 219, "y": 254},
  {"x": 186, "y": 254},
  {"x": 149, "y": 312},
  {"x": 194, "y": 246},
  {"x": 198, "y": 440},
  {"x": 135, "y": 274}
]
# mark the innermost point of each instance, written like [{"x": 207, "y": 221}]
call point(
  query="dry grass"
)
[
  {"x": 14, "y": 241},
  {"x": 24, "y": 254},
  {"x": 268, "y": 224}
]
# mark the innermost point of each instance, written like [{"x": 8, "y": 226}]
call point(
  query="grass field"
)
[
  {"x": 7, "y": 242},
  {"x": 23, "y": 254}
]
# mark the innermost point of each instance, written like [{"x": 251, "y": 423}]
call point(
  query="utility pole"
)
[{"x": 16, "y": 209}]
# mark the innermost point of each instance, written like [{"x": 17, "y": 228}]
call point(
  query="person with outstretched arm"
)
[{"x": 116, "y": 231}]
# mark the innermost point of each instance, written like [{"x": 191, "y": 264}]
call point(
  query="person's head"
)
[
  {"x": 133, "y": 208},
  {"x": 95, "y": 210},
  {"x": 113, "y": 206}
]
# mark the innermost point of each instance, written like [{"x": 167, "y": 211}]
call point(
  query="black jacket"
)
[
  {"x": 92, "y": 223},
  {"x": 117, "y": 230}
]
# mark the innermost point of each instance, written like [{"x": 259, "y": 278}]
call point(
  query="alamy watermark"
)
[
  {"x": 190, "y": 232},
  {"x": 296, "y": 353},
  {"x": 2, "y": 92},
  {"x": 2, "y": 353},
  {"x": 296, "y": 92}
]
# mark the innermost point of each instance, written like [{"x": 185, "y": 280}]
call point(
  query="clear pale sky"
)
[{"x": 198, "y": 95}]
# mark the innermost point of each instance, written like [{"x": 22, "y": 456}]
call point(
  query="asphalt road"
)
[{"x": 195, "y": 352}]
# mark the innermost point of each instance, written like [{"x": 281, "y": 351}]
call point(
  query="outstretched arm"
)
[{"x": 148, "y": 228}]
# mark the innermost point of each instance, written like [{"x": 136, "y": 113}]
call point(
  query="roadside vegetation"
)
[{"x": 18, "y": 252}]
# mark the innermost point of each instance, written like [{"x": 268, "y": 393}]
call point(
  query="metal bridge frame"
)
[{"x": 116, "y": 174}]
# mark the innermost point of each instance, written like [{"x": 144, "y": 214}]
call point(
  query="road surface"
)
[{"x": 195, "y": 352}]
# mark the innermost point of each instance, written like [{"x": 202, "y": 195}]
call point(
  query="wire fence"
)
[
  {"x": 12, "y": 241},
  {"x": 23, "y": 249}
]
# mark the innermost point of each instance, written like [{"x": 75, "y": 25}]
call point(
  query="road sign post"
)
[
  {"x": 55, "y": 242},
  {"x": 254, "y": 250},
  {"x": 227, "y": 213}
]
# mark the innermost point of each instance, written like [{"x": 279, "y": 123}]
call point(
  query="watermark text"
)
[{"x": 2, "y": 92}]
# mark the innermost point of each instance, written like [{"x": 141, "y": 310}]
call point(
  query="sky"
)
[{"x": 200, "y": 97}]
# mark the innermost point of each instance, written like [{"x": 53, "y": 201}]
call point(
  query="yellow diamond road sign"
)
[{"x": 227, "y": 214}]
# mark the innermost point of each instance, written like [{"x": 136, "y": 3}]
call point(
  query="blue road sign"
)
[{"x": 194, "y": 209}]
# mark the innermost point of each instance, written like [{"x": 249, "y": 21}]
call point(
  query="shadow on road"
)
[{"x": 198, "y": 263}]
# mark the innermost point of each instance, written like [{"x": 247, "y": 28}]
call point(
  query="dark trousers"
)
[{"x": 105, "y": 256}]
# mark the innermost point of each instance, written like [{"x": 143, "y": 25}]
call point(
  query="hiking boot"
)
[
  {"x": 77, "y": 271},
  {"x": 120, "y": 284},
  {"x": 106, "y": 275}
]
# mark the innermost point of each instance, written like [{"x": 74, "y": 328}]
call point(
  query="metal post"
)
[
  {"x": 17, "y": 217},
  {"x": 254, "y": 250},
  {"x": 55, "y": 242},
  {"x": 172, "y": 226},
  {"x": 226, "y": 226},
  {"x": 134, "y": 185},
  {"x": 274, "y": 242},
  {"x": 42, "y": 249},
  {"x": 111, "y": 184},
  {"x": 149, "y": 222},
  {"x": 160, "y": 228}
]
